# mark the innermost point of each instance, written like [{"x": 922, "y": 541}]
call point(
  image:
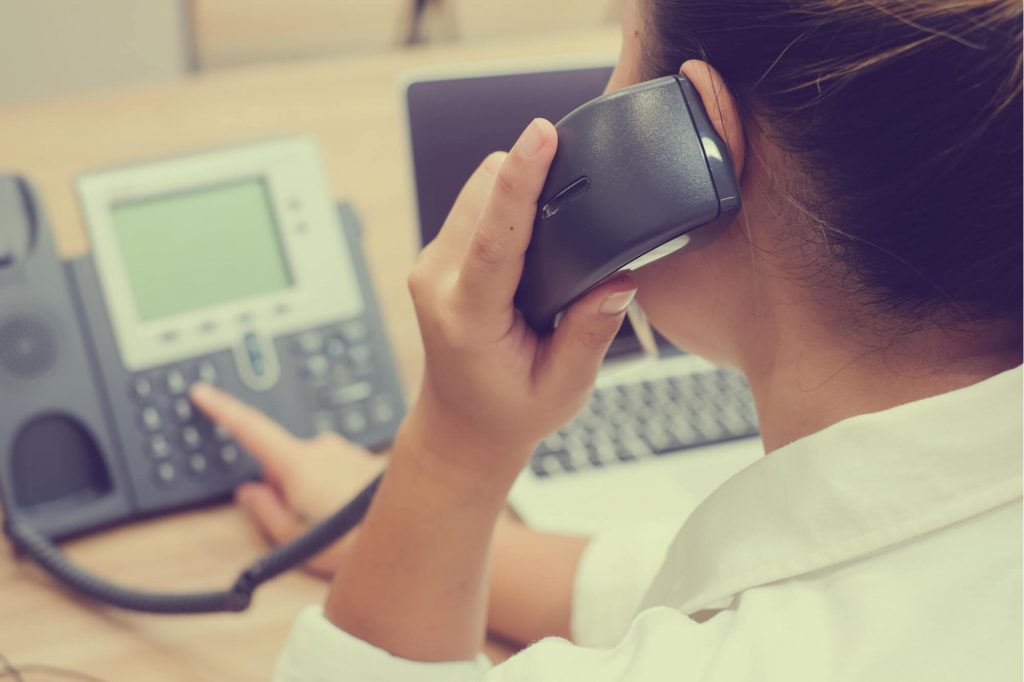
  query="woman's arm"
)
[
  {"x": 305, "y": 480},
  {"x": 415, "y": 581}
]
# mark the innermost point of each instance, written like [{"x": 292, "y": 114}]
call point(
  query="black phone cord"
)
[{"x": 236, "y": 598}]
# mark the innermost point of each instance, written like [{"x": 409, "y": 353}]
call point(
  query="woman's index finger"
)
[{"x": 261, "y": 436}]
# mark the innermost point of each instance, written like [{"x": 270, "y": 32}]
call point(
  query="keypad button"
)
[
  {"x": 197, "y": 463},
  {"x": 166, "y": 473},
  {"x": 381, "y": 411},
  {"x": 151, "y": 420},
  {"x": 183, "y": 409},
  {"x": 317, "y": 368},
  {"x": 191, "y": 438},
  {"x": 142, "y": 388},
  {"x": 355, "y": 331},
  {"x": 229, "y": 454},
  {"x": 176, "y": 382},
  {"x": 159, "y": 446},
  {"x": 207, "y": 372},
  {"x": 309, "y": 343},
  {"x": 353, "y": 421},
  {"x": 335, "y": 349}
]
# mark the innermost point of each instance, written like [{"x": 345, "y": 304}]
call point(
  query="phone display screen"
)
[{"x": 200, "y": 248}]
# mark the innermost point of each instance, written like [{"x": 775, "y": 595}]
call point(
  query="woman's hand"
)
[
  {"x": 304, "y": 481},
  {"x": 492, "y": 388}
]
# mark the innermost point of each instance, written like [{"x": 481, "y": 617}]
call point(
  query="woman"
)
[{"x": 870, "y": 291}]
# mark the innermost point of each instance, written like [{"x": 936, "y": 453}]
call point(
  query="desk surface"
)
[{"x": 352, "y": 107}]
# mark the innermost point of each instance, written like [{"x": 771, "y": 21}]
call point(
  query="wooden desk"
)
[{"x": 352, "y": 107}]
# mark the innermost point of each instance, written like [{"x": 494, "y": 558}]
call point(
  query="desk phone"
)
[{"x": 233, "y": 267}]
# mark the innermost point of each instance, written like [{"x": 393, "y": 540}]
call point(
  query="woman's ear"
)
[{"x": 721, "y": 107}]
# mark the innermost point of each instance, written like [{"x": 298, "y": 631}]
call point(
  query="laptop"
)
[{"x": 662, "y": 430}]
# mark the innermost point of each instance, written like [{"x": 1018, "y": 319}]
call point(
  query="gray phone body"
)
[{"x": 87, "y": 460}]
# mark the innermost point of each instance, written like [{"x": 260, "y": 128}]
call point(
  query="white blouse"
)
[{"x": 885, "y": 547}]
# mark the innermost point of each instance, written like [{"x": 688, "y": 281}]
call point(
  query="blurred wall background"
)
[{"x": 55, "y": 48}]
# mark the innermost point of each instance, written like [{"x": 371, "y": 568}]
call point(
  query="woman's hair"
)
[{"x": 904, "y": 117}]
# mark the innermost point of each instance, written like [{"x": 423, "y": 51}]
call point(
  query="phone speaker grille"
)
[{"x": 28, "y": 345}]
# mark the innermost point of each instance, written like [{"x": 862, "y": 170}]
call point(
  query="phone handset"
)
[{"x": 639, "y": 174}]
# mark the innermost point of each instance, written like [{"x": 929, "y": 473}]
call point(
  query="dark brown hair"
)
[{"x": 905, "y": 118}]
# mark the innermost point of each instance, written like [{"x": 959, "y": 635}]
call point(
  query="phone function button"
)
[
  {"x": 323, "y": 422},
  {"x": 183, "y": 409},
  {"x": 339, "y": 396},
  {"x": 191, "y": 438},
  {"x": 335, "y": 349},
  {"x": 353, "y": 421},
  {"x": 159, "y": 446},
  {"x": 166, "y": 473},
  {"x": 381, "y": 410},
  {"x": 361, "y": 358},
  {"x": 309, "y": 343},
  {"x": 317, "y": 368},
  {"x": 151, "y": 420},
  {"x": 177, "y": 384}
]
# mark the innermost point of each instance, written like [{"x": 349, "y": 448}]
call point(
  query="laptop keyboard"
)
[{"x": 633, "y": 421}]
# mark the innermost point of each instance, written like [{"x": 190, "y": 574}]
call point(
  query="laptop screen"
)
[{"x": 454, "y": 123}]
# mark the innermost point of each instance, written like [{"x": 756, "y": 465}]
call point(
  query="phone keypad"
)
[{"x": 180, "y": 440}]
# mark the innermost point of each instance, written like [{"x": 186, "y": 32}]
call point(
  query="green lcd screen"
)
[{"x": 195, "y": 249}]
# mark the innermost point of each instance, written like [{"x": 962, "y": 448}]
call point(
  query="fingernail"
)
[
  {"x": 613, "y": 304},
  {"x": 530, "y": 141}
]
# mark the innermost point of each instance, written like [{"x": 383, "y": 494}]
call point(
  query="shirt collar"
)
[{"x": 854, "y": 488}]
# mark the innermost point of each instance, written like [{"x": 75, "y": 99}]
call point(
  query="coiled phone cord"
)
[{"x": 236, "y": 598}]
